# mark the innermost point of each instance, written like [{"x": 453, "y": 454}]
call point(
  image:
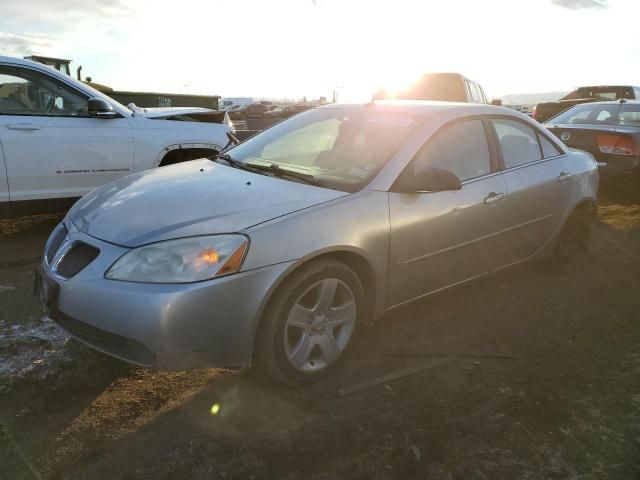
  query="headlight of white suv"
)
[{"x": 183, "y": 260}]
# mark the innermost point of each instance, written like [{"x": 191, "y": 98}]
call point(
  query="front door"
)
[
  {"x": 439, "y": 239},
  {"x": 52, "y": 148}
]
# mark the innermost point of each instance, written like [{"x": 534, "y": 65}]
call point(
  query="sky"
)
[{"x": 296, "y": 48}]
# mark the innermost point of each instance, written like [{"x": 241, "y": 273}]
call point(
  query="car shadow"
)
[
  {"x": 622, "y": 190},
  {"x": 106, "y": 419}
]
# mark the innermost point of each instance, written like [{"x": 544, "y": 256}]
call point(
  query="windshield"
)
[
  {"x": 341, "y": 148},
  {"x": 598, "y": 114},
  {"x": 437, "y": 87}
]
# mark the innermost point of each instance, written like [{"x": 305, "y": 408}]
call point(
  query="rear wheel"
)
[
  {"x": 310, "y": 323},
  {"x": 575, "y": 237}
]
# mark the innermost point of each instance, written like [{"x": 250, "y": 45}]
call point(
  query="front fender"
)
[
  {"x": 153, "y": 139},
  {"x": 356, "y": 224}
]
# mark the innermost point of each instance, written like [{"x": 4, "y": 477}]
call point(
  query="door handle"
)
[
  {"x": 493, "y": 197},
  {"x": 564, "y": 176},
  {"x": 23, "y": 126}
]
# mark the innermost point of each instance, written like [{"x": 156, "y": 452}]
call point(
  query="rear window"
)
[
  {"x": 601, "y": 93},
  {"x": 629, "y": 115},
  {"x": 519, "y": 142},
  {"x": 598, "y": 114}
]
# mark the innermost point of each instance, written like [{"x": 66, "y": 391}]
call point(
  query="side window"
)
[
  {"x": 26, "y": 92},
  {"x": 483, "y": 97},
  {"x": 548, "y": 149},
  {"x": 518, "y": 141},
  {"x": 460, "y": 148},
  {"x": 476, "y": 92},
  {"x": 467, "y": 86}
]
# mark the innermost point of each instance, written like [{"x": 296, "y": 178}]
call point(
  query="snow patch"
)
[{"x": 24, "y": 347}]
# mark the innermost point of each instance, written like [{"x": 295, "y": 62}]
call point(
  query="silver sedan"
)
[{"x": 276, "y": 253}]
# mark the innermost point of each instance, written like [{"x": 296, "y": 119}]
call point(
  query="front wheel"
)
[{"x": 310, "y": 323}]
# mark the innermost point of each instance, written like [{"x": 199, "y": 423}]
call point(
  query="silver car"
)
[{"x": 277, "y": 252}]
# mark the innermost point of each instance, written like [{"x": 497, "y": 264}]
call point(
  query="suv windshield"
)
[
  {"x": 598, "y": 114},
  {"x": 341, "y": 148}
]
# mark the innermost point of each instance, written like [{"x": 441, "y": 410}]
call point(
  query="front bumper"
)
[{"x": 162, "y": 326}]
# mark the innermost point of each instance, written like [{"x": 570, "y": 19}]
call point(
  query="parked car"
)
[
  {"x": 286, "y": 111},
  {"x": 61, "y": 138},
  {"x": 254, "y": 110},
  {"x": 229, "y": 103},
  {"x": 279, "y": 252},
  {"x": 443, "y": 87},
  {"x": 610, "y": 131},
  {"x": 544, "y": 111},
  {"x": 526, "y": 109}
]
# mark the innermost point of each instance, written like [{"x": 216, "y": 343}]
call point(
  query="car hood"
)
[
  {"x": 192, "y": 198},
  {"x": 169, "y": 112}
]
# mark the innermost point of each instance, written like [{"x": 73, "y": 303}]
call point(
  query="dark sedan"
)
[{"x": 610, "y": 131}]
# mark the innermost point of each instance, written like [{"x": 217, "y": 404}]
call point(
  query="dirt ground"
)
[{"x": 545, "y": 384}]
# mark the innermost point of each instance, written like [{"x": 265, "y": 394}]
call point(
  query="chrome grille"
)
[
  {"x": 76, "y": 259},
  {"x": 56, "y": 241}
]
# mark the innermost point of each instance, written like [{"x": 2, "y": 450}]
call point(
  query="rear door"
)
[
  {"x": 52, "y": 148},
  {"x": 539, "y": 183},
  {"x": 439, "y": 239}
]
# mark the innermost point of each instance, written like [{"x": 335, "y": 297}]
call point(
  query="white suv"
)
[{"x": 60, "y": 138}]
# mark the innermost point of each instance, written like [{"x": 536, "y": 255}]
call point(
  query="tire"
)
[
  {"x": 574, "y": 238},
  {"x": 303, "y": 334}
]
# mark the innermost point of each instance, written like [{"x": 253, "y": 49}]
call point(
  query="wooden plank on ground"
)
[{"x": 389, "y": 377}]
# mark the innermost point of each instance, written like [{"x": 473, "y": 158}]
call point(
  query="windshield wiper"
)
[
  {"x": 231, "y": 161},
  {"x": 278, "y": 171},
  {"x": 272, "y": 168}
]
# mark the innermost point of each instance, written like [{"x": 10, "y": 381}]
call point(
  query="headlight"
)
[{"x": 184, "y": 260}]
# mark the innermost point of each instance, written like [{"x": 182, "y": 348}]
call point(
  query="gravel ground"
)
[{"x": 545, "y": 384}]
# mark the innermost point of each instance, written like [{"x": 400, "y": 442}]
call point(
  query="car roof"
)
[
  {"x": 427, "y": 108},
  {"x": 606, "y": 86},
  {"x": 609, "y": 102},
  {"x": 18, "y": 61}
]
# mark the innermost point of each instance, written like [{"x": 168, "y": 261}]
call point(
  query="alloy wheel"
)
[{"x": 319, "y": 325}]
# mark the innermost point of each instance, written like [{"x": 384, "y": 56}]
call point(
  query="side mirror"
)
[
  {"x": 496, "y": 102},
  {"x": 430, "y": 179},
  {"x": 100, "y": 108}
]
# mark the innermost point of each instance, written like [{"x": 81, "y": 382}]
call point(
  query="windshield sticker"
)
[{"x": 394, "y": 120}]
